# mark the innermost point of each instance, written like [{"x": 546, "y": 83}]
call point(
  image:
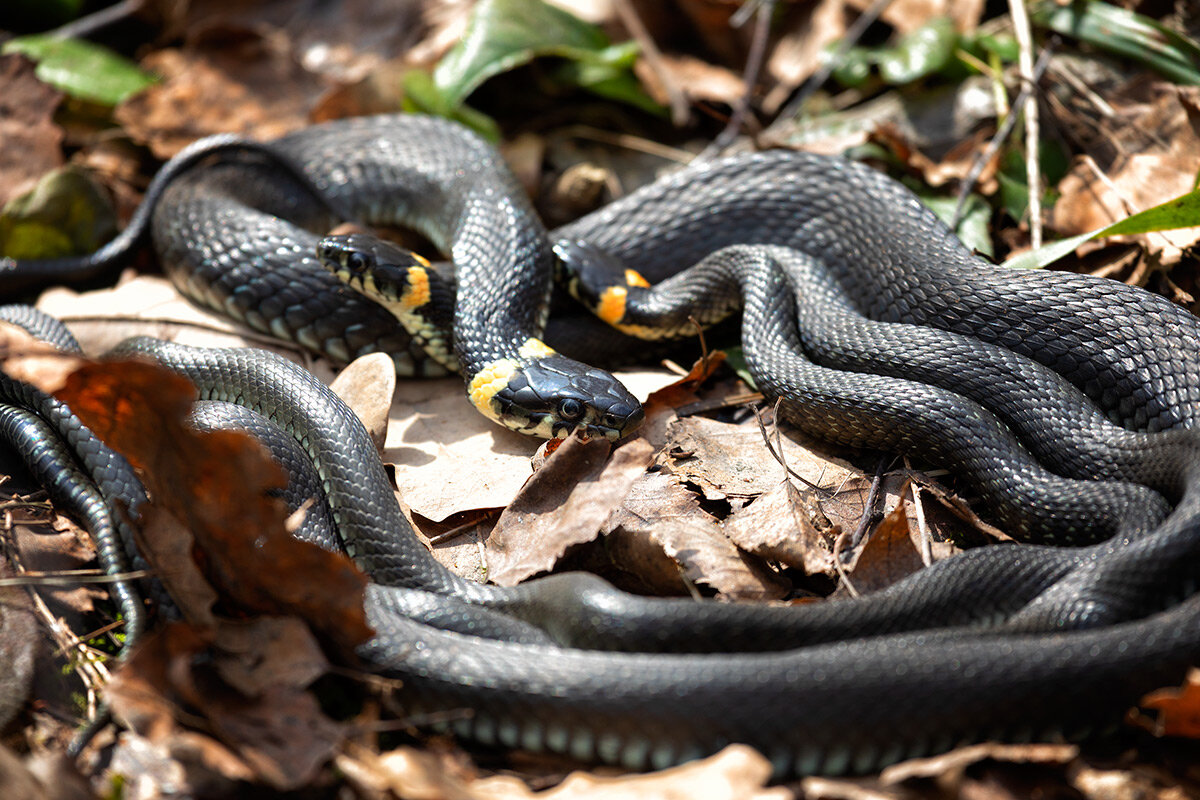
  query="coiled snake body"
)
[{"x": 1069, "y": 403}]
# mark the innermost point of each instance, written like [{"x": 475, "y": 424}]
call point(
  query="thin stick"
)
[
  {"x": 818, "y": 78},
  {"x": 1006, "y": 127},
  {"x": 89, "y": 24},
  {"x": 654, "y": 60},
  {"x": 1033, "y": 171},
  {"x": 754, "y": 61}
]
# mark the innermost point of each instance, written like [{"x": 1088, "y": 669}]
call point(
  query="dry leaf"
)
[
  {"x": 659, "y": 508},
  {"x": 30, "y": 141},
  {"x": 1179, "y": 709},
  {"x": 19, "y": 641},
  {"x": 239, "y": 83},
  {"x": 367, "y": 384},
  {"x": 781, "y": 525},
  {"x": 565, "y": 503},
  {"x": 735, "y": 772},
  {"x": 723, "y": 460},
  {"x": 889, "y": 555},
  {"x": 217, "y": 484},
  {"x": 272, "y": 723},
  {"x": 1151, "y": 173},
  {"x": 908, "y": 15},
  {"x": 959, "y": 759}
]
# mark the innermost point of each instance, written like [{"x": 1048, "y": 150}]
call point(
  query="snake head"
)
[
  {"x": 552, "y": 396},
  {"x": 376, "y": 268}
]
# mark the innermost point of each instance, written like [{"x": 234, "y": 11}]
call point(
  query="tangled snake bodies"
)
[{"x": 1013, "y": 642}]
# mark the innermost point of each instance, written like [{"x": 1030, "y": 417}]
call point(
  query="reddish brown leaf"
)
[
  {"x": 1179, "y": 708},
  {"x": 660, "y": 405},
  {"x": 216, "y": 485},
  {"x": 889, "y": 554}
]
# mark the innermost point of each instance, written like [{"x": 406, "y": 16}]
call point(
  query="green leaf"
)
[
  {"x": 1182, "y": 212},
  {"x": 610, "y": 76},
  {"x": 854, "y": 69},
  {"x": 924, "y": 51},
  {"x": 1002, "y": 45},
  {"x": 65, "y": 214},
  {"x": 1124, "y": 33},
  {"x": 81, "y": 69},
  {"x": 973, "y": 227},
  {"x": 504, "y": 34},
  {"x": 736, "y": 360},
  {"x": 420, "y": 95}
]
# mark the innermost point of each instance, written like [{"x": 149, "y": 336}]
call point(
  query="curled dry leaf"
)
[
  {"x": 889, "y": 555},
  {"x": 1179, "y": 709},
  {"x": 217, "y": 484},
  {"x": 949, "y": 766},
  {"x": 786, "y": 524},
  {"x": 662, "y": 510},
  {"x": 563, "y": 504},
  {"x": 660, "y": 406}
]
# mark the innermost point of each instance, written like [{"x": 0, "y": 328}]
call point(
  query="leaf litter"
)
[{"x": 723, "y": 518}]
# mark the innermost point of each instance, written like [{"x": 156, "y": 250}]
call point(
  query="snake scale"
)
[{"x": 1067, "y": 402}]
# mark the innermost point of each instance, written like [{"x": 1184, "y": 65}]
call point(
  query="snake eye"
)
[
  {"x": 570, "y": 409},
  {"x": 356, "y": 262}
]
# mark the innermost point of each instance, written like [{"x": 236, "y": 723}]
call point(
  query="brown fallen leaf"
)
[
  {"x": 736, "y": 772},
  {"x": 908, "y": 15},
  {"x": 565, "y": 503},
  {"x": 246, "y": 683},
  {"x": 19, "y": 641},
  {"x": 660, "y": 405},
  {"x": 1179, "y": 709},
  {"x": 1146, "y": 170},
  {"x": 950, "y": 766},
  {"x": 723, "y": 460},
  {"x": 786, "y": 524},
  {"x": 30, "y": 141},
  {"x": 217, "y": 484},
  {"x": 699, "y": 80},
  {"x": 664, "y": 512},
  {"x": 367, "y": 384},
  {"x": 239, "y": 82},
  {"x": 890, "y": 555},
  {"x": 20, "y": 783},
  {"x": 54, "y": 544}
]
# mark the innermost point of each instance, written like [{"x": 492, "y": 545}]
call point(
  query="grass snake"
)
[{"x": 1067, "y": 402}]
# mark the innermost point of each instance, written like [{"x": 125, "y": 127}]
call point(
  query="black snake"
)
[{"x": 1068, "y": 402}]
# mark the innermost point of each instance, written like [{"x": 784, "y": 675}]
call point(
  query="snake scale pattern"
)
[{"x": 1069, "y": 403}]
